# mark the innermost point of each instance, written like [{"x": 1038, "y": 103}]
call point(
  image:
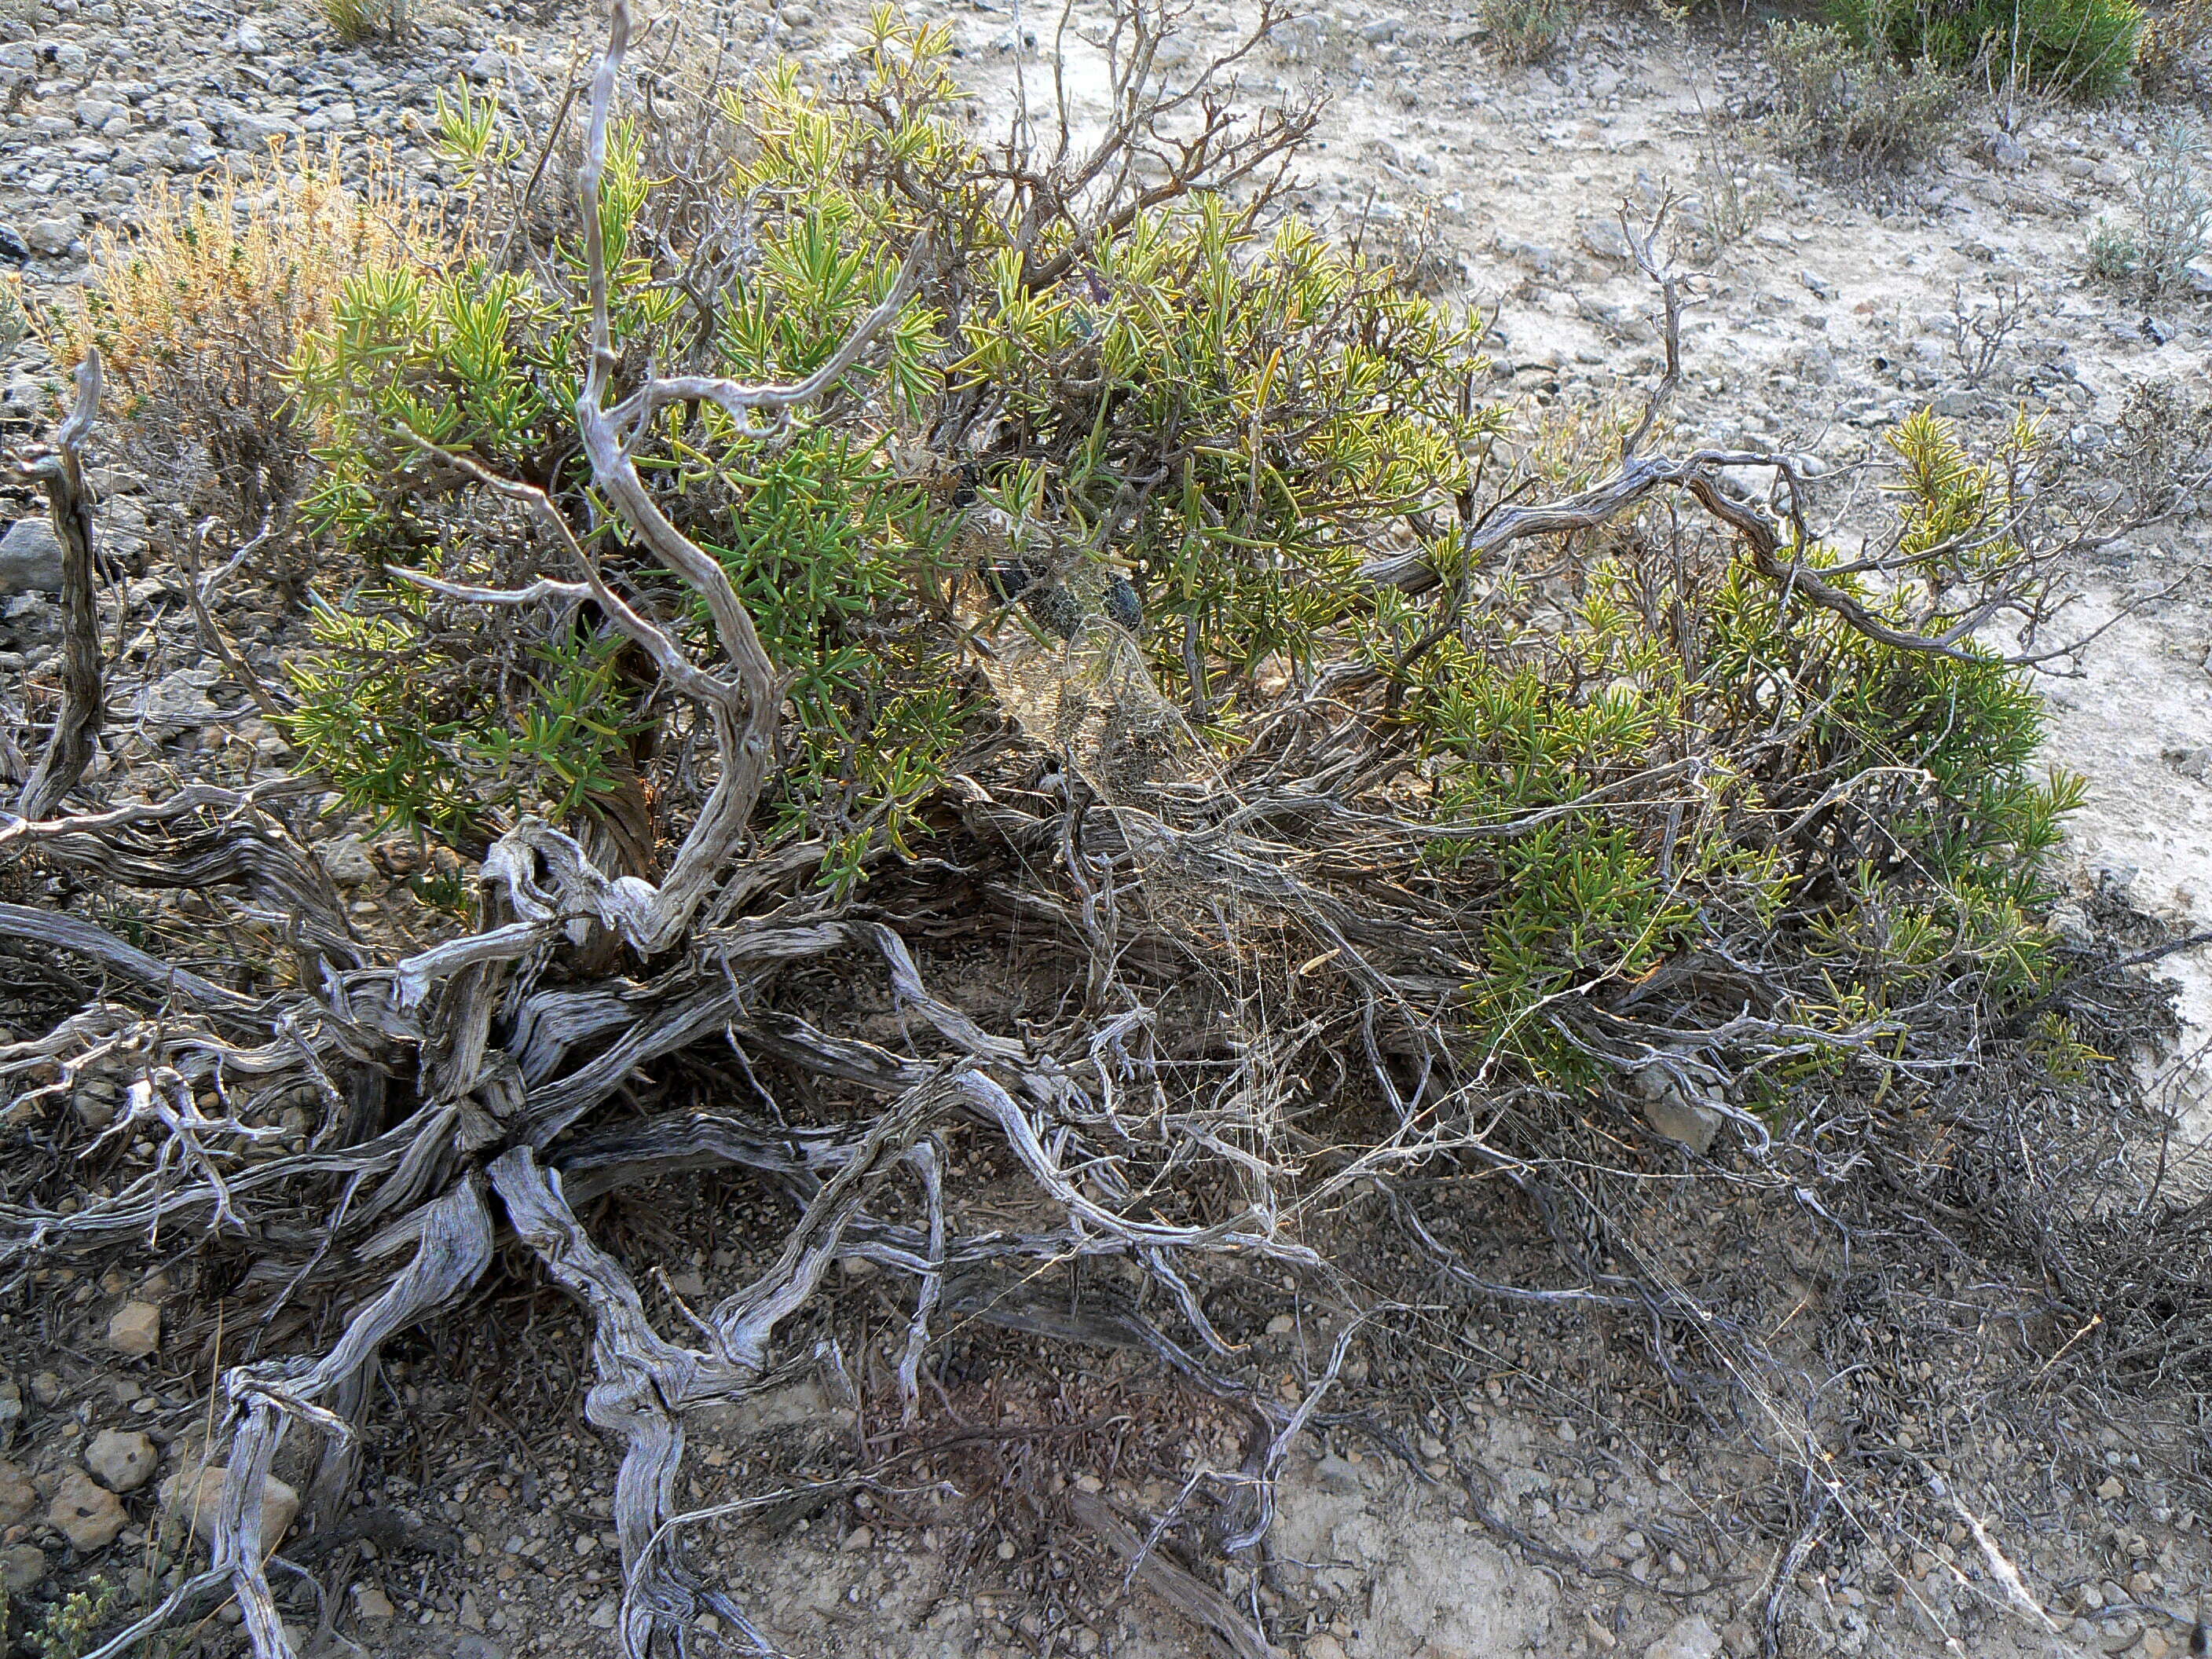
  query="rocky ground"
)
[{"x": 1820, "y": 315}]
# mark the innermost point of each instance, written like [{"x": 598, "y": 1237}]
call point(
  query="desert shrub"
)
[
  {"x": 2173, "y": 59},
  {"x": 816, "y": 533},
  {"x": 1727, "y": 205},
  {"x": 1239, "y": 421},
  {"x": 2170, "y": 226},
  {"x": 1529, "y": 31},
  {"x": 2082, "y": 48},
  {"x": 68, "y": 1628},
  {"x": 2174, "y": 202},
  {"x": 858, "y": 557},
  {"x": 1254, "y": 550},
  {"x": 1843, "y": 107},
  {"x": 2161, "y": 449},
  {"x": 15, "y": 319},
  {"x": 2112, "y": 252},
  {"x": 199, "y": 313}
]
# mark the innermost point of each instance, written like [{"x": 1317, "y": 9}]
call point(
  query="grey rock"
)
[
  {"x": 2194, "y": 763},
  {"x": 488, "y": 65},
  {"x": 2009, "y": 153},
  {"x": 1676, "y": 1112},
  {"x": 1335, "y": 1474},
  {"x": 121, "y": 1460},
  {"x": 370, "y": 1602},
  {"x": 347, "y": 861},
  {"x": 18, "y": 1496},
  {"x": 1603, "y": 237},
  {"x": 253, "y": 130},
  {"x": 96, "y": 1100},
  {"x": 1540, "y": 258},
  {"x": 1382, "y": 29},
  {"x": 179, "y": 698},
  {"x": 1747, "y": 484},
  {"x": 1679, "y": 1118},
  {"x": 1692, "y": 1638},
  {"x": 22, "y": 1569},
  {"x": 2070, "y": 921},
  {"x": 192, "y": 1495},
  {"x": 85, "y": 1512},
  {"x": 135, "y": 1330},
  {"x": 247, "y": 40},
  {"x": 30, "y": 558},
  {"x": 52, "y": 237}
]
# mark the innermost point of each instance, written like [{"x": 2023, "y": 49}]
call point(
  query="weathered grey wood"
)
[{"x": 70, "y": 750}]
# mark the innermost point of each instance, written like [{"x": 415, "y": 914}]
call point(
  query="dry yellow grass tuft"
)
[{"x": 199, "y": 314}]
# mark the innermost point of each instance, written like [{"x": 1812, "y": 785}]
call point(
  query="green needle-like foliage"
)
[
  {"x": 1268, "y": 410},
  {"x": 1677, "y": 770}
]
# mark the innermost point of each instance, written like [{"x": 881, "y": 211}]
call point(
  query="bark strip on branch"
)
[{"x": 68, "y": 751}]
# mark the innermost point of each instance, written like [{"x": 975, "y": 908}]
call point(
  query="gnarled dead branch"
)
[{"x": 61, "y": 472}]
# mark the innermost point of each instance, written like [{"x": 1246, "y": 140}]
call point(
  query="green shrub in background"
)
[
  {"x": 2173, "y": 59},
  {"x": 2083, "y": 48},
  {"x": 1847, "y": 109},
  {"x": 1529, "y": 31},
  {"x": 2169, "y": 226},
  {"x": 68, "y": 1628}
]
